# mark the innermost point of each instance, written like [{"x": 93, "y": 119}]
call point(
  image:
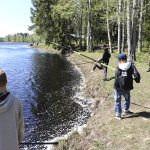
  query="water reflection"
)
[{"x": 46, "y": 84}]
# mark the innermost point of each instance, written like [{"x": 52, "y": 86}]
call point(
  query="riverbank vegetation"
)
[
  {"x": 21, "y": 37},
  {"x": 1, "y": 39}
]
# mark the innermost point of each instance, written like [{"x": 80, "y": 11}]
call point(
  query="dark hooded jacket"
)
[
  {"x": 124, "y": 76},
  {"x": 105, "y": 58}
]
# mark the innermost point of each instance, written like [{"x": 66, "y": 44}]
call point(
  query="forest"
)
[{"x": 88, "y": 24}]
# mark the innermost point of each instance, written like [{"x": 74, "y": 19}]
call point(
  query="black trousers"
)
[{"x": 104, "y": 69}]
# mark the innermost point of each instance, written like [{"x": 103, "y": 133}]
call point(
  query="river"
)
[{"x": 48, "y": 85}]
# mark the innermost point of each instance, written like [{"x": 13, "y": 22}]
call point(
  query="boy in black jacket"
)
[{"x": 125, "y": 73}]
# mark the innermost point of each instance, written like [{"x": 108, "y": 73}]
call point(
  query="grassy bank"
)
[{"x": 103, "y": 131}]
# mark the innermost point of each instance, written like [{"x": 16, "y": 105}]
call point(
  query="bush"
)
[{"x": 145, "y": 44}]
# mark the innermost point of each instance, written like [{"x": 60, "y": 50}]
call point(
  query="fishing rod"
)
[
  {"x": 86, "y": 56},
  {"x": 95, "y": 60},
  {"x": 60, "y": 45},
  {"x": 104, "y": 65},
  {"x": 140, "y": 105}
]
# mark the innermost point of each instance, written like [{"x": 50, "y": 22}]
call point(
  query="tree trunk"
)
[
  {"x": 108, "y": 29},
  {"x": 80, "y": 33},
  {"x": 134, "y": 21},
  {"x": 89, "y": 33},
  {"x": 123, "y": 37},
  {"x": 140, "y": 26},
  {"x": 129, "y": 27},
  {"x": 119, "y": 26},
  {"x": 123, "y": 27}
]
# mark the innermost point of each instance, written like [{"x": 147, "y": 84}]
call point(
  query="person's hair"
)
[
  {"x": 3, "y": 78},
  {"x": 106, "y": 50}
]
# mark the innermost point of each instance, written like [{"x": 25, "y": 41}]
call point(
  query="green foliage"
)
[
  {"x": 143, "y": 57},
  {"x": 65, "y": 12},
  {"x": 55, "y": 21},
  {"x": 145, "y": 43},
  {"x": 1, "y": 39},
  {"x": 22, "y": 37},
  {"x": 146, "y": 25}
]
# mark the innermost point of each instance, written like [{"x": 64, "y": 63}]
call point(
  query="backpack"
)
[
  {"x": 124, "y": 79},
  {"x": 136, "y": 75}
]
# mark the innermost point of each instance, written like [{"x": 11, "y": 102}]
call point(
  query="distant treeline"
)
[
  {"x": 1, "y": 39},
  {"x": 20, "y": 37}
]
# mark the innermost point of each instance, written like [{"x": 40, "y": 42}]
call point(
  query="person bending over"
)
[{"x": 105, "y": 60}]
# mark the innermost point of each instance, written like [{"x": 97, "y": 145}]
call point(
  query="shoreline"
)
[
  {"x": 93, "y": 104},
  {"x": 103, "y": 131},
  {"x": 77, "y": 129},
  {"x": 80, "y": 93}
]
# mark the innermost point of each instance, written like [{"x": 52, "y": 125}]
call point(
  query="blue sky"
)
[{"x": 14, "y": 16}]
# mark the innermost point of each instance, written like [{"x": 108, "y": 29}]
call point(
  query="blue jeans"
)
[{"x": 117, "y": 97}]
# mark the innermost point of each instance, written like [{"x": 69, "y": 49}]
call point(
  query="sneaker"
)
[
  {"x": 118, "y": 117},
  {"x": 127, "y": 113}
]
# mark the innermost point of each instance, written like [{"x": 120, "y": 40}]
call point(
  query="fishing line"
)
[
  {"x": 85, "y": 63},
  {"x": 106, "y": 66},
  {"x": 39, "y": 143},
  {"x": 102, "y": 63}
]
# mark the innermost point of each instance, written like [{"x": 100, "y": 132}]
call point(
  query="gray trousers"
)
[{"x": 105, "y": 71}]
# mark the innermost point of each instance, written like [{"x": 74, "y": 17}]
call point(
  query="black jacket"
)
[
  {"x": 105, "y": 58},
  {"x": 126, "y": 84}
]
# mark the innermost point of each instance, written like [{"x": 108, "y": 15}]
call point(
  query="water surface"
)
[{"x": 47, "y": 85}]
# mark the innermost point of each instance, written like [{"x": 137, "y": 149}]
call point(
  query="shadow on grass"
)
[{"x": 144, "y": 114}]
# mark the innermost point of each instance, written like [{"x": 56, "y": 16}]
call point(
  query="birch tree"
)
[
  {"x": 134, "y": 22},
  {"x": 140, "y": 26},
  {"x": 89, "y": 32},
  {"x": 119, "y": 26},
  {"x": 129, "y": 26},
  {"x": 123, "y": 26},
  {"x": 108, "y": 27}
]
